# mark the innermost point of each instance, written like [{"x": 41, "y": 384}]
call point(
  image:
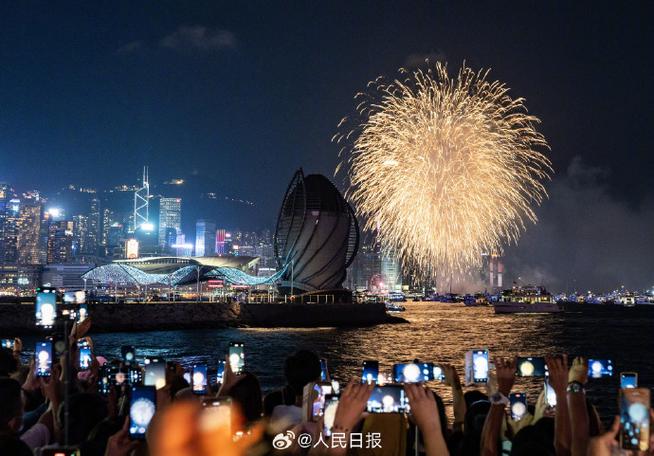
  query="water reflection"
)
[{"x": 435, "y": 332}]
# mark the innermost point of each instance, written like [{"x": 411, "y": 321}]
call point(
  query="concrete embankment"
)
[{"x": 18, "y": 318}]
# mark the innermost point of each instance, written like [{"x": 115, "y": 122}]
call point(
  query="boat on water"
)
[
  {"x": 393, "y": 307},
  {"x": 526, "y": 300},
  {"x": 477, "y": 300}
]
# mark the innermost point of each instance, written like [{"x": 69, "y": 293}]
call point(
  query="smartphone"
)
[
  {"x": 388, "y": 399},
  {"x": 45, "y": 308},
  {"x": 199, "y": 379},
  {"x": 370, "y": 372},
  {"x": 135, "y": 375},
  {"x": 128, "y": 353},
  {"x": 216, "y": 413},
  {"x": 85, "y": 357},
  {"x": 329, "y": 414},
  {"x": 43, "y": 358},
  {"x": 220, "y": 372},
  {"x": 416, "y": 372},
  {"x": 531, "y": 367},
  {"x": 324, "y": 374},
  {"x": 143, "y": 404},
  {"x": 62, "y": 451},
  {"x": 476, "y": 366},
  {"x": 598, "y": 368},
  {"x": 155, "y": 372},
  {"x": 7, "y": 343},
  {"x": 518, "y": 404},
  {"x": 634, "y": 419},
  {"x": 236, "y": 357},
  {"x": 104, "y": 380},
  {"x": 628, "y": 380},
  {"x": 550, "y": 394}
]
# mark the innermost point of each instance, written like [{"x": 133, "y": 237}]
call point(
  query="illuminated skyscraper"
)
[
  {"x": 60, "y": 242},
  {"x": 29, "y": 229},
  {"x": 205, "y": 238},
  {"x": 142, "y": 203},
  {"x": 170, "y": 216},
  {"x": 220, "y": 242}
]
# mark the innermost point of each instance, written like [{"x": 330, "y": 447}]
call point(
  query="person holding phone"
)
[
  {"x": 558, "y": 379},
  {"x": 505, "y": 373},
  {"x": 424, "y": 411}
]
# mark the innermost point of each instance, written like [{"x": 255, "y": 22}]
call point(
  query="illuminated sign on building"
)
[{"x": 131, "y": 249}]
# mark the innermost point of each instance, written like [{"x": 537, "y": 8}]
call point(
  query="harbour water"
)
[{"x": 436, "y": 332}]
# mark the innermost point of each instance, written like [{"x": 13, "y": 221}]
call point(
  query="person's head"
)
[
  {"x": 86, "y": 410},
  {"x": 475, "y": 417},
  {"x": 11, "y": 408},
  {"x": 301, "y": 368},
  {"x": 536, "y": 439},
  {"x": 14, "y": 446},
  {"x": 472, "y": 396},
  {"x": 247, "y": 394},
  {"x": 8, "y": 363}
]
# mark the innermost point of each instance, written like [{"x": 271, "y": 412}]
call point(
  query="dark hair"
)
[
  {"x": 535, "y": 440},
  {"x": 8, "y": 364},
  {"x": 11, "y": 403},
  {"x": 247, "y": 393},
  {"x": 472, "y": 396},
  {"x": 301, "y": 368},
  {"x": 86, "y": 410},
  {"x": 14, "y": 446}
]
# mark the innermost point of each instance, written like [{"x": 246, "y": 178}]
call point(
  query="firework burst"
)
[{"x": 443, "y": 168}]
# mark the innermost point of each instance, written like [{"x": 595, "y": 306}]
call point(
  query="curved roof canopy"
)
[{"x": 171, "y": 272}]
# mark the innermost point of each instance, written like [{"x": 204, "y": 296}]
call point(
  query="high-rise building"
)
[
  {"x": 205, "y": 238},
  {"x": 142, "y": 204},
  {"x": 9, "y": 217},
  {"x": 220, "y": 242},
  {"x": 94, "y": 231},
  {"x": 60, "y": 242},
  {"x": 29, "y": 229},
  {"x": 170, "y": 216}
]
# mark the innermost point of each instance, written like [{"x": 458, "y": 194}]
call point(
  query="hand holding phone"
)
[
  {"x": 199, "y": 379},
  {"x": 370, "y": 372},
  {"x": 634, "y": 419},
  {"x": 598, "y": 368},
  {"x": 531, "y": 367},
  {"x": 43, "y": 358},
  {"x": 388, "y": 399},
  {"x": 477, "y": 366},
  {"x": 236, "y": 357},
  {"x": 143, "y": 405},
  {"x": 518, "y": 404}
]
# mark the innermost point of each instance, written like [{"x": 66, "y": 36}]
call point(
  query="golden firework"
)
[{"x": 443, "y": 168}]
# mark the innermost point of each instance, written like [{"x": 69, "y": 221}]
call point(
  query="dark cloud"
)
[
  {"x": 586, "y": 238},
  {"x": 199, "y": 38},
  {"x": 131, "y": 48}
]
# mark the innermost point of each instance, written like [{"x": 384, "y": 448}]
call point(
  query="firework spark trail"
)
[{"x": 443, "y": 168}]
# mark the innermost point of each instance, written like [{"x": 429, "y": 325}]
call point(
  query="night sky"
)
[{"x": 237, "y": 95}]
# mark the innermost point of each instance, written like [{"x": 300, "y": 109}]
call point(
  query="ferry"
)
[{"x": 526, "y": 300}]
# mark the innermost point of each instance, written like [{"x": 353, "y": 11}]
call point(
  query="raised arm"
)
[
  {"x": 558, "y": 379},
  {"x": 458, "y": 402},
  {"x": 577, "y": 407},
  {"x": 490, "y": 434},
  {"x": 425, "y": 413}
]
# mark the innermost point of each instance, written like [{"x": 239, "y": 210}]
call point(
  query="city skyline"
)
[{"x": 204, "y": 95}]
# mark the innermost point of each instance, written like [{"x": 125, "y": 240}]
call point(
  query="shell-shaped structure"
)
[{"x": 317, "y": 235}]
